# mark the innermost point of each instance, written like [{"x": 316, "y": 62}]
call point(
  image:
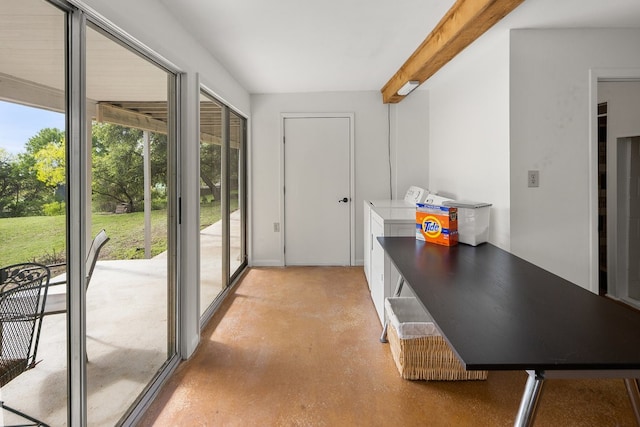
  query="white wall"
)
[
  {"x": 408, "y": 153},
  {"x": 149, "y": 24},
  {"x": 553, "y": 225},
  {"x": 410, "y": 142},
  {"x": 469, "y": 129}
]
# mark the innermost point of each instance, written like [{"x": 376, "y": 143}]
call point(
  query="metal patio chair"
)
[
  {"x": 57, "y": 302},
  {"x": 23, "y": 294}
]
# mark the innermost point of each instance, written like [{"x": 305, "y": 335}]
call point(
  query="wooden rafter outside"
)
[
  {"x": 152, "y": 116},
  {"x": 117, "y": 114},
  {"x": 462, "y": 24}
]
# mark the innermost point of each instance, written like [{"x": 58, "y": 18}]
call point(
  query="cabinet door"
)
[
  {"x": 377, "y": 280},
  {"x": 367, "y": 241}
]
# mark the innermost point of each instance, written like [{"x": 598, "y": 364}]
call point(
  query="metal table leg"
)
[
  {"x": 634, "y": 396},
  {"x": 530, "y": 397},
  {"x": 396, "y": 293}
]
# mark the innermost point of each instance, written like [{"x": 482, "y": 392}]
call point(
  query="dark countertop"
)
[{"x": 500, "y": 312}]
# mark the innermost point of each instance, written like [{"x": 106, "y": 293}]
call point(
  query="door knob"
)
[{"x": 343, "y": 200}]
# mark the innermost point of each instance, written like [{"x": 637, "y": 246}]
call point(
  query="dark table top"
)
[{"x": 500, "y": 312}]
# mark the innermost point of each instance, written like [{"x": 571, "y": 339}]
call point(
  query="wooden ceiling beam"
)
[
  {"x": 24, "y": 92},
  {"x": 461, "y": 25},
  {"x": 121, "y": 116}
]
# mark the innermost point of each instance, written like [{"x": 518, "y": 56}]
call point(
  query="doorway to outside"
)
[{"x": 318, "y": 189}]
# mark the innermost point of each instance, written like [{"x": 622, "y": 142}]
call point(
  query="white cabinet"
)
[
  {"x": 367, "y": 240},
  {"x": 379, "y": 271}
]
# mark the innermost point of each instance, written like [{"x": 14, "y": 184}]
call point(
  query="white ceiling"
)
[
  {"x": 272, "y": 46},
  {"x": 280, "y": 46},
  {"x": 298, "y": 46}
]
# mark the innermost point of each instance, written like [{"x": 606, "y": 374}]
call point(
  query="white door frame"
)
[
  {"x": 352, "y": 177},
  {"x": 595, "y": 75}
]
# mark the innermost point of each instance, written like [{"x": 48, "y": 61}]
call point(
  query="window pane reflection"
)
[{"x": 211, "y": 140}]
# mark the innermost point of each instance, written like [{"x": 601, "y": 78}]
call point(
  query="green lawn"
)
[{"x": 42, "y": 238}]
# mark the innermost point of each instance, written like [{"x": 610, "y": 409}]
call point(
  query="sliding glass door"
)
[
  {"x": 130, "y": 290},
  {"x": 222, "y": 199},
  {"x": 33, "y": 147},
  {"x": 237, "y": 194},
  {"x": 88, "y": 149},
  {"x": 211, "y": 240}
]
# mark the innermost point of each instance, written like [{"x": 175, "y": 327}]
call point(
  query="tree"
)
[
  {"x": 26, "y": 180},
  {"x": 43, "y": 138},
  {"x": 21, "y": 192},
  {"x": 118, "y": 165},
  {"x": 210, "y": 163},
  {"x": 50, "y": 164},
  {"x": 7, "y": 182}
]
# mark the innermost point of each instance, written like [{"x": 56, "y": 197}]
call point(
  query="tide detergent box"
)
[{"x": 437, "y": 224}]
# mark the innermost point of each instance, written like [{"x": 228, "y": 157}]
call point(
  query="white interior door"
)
[{"x": 317, "y": 199}]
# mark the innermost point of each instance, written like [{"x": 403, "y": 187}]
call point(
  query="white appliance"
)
[
  {"x": 387, "y": 218},
  {"x": 412, "y": 196}
]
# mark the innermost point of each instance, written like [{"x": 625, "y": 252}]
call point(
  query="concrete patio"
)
[
  {"x": 126, "y": 345},
  {"x": 126, "y": 338}
]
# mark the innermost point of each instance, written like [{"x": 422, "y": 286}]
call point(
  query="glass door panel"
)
[
  {"x": 33, "y": 200},
  {"x": 129, "y": 294},
  {"x": 211, "y": 191},
  {"x": 236, "y": 192}
]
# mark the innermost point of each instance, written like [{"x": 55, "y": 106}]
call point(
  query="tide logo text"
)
[{"x": 431, "y": 226}]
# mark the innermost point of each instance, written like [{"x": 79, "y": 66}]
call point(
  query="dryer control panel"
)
[{"x": 415, "y": 195}]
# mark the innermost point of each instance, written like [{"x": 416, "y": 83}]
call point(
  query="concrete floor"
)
[
  {"x": 211, "y": 258},
  {"x": 299, "y": 347}
]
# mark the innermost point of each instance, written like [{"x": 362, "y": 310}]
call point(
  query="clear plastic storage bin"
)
[{"x": 473, "y": 221}]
